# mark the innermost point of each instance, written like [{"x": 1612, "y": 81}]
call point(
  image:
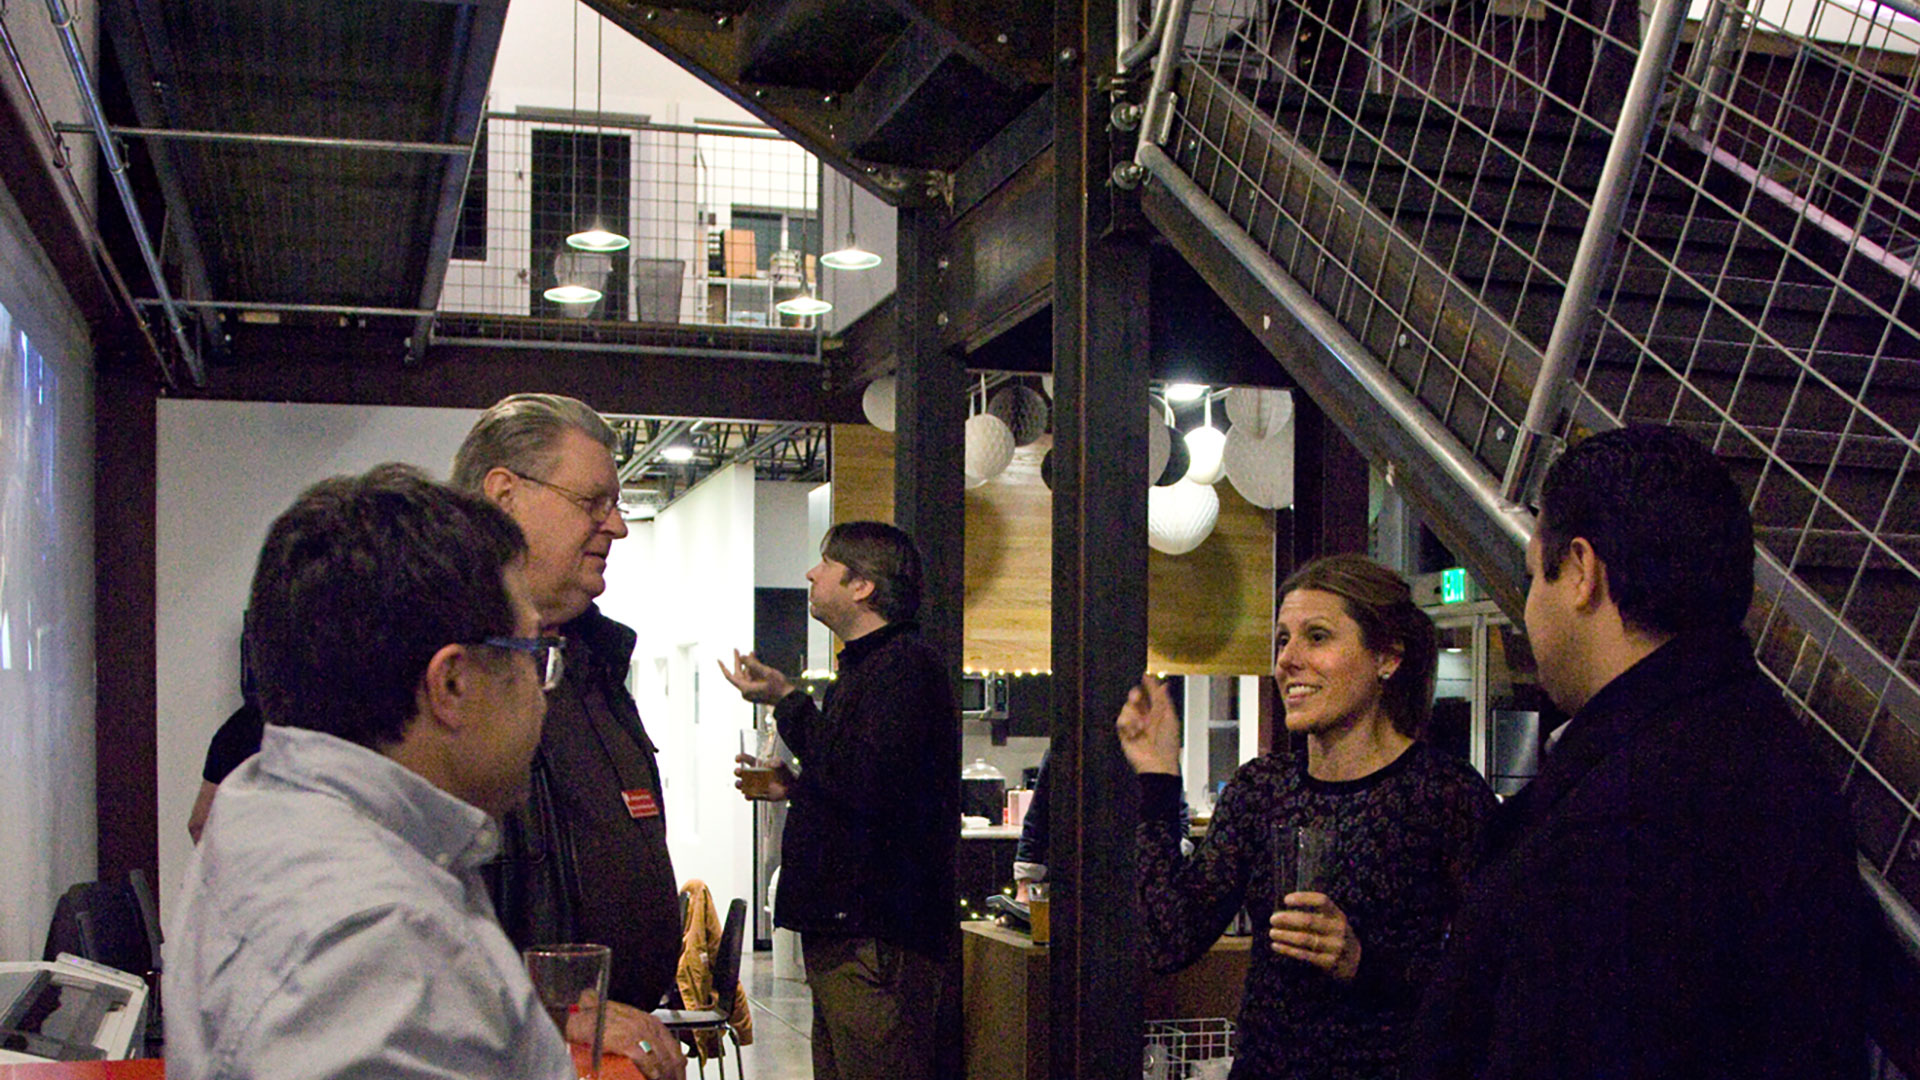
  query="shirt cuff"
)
[
  {"x": 1029, "y": 871},
  {"x": 1159, "y": 796}
]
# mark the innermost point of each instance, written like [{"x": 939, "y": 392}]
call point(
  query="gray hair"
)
[{"x": 519, "y": 432}]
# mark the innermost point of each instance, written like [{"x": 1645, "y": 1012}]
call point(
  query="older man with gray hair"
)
[{"x": 586, "y": 859}]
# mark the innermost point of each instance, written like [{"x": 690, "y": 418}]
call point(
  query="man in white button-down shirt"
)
[{"x": 333, "y": 923}]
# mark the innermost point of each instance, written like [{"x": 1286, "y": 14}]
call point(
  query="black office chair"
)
[
  {"x": 108, "y": 923},
  {"x": 688, "y": 1024}
]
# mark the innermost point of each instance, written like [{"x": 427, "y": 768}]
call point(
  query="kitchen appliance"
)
[{"x": 983, "y": 697}]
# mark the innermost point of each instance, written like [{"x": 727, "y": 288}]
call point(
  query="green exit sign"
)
[{"x": 1453, "y": 586}]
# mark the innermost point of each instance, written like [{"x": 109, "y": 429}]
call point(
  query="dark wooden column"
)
[
  {"x": 1329, "y": 512},
  {"x": 1101, "y": 339},
  {"x": 126, "y": 786},
  {"x": 929, "y": 496},
  {"x": 931, "y": 414}
]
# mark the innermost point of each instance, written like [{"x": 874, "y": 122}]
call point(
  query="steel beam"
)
[
  {"x": 325, "y": 365},
  {"x": 463, "y": 106},
  {"x": 1100, "y": 360}
]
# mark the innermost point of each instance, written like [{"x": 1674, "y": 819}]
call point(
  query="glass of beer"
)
[
  {"x": 1039, "y": 911},
  {"x": 571, "y": 982}
]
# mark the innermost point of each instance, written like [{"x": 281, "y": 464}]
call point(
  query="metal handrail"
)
[
  {"x": 1554, "y": 384},
  {"x": 1455, "y": 464},
  {"x": 1158, "y": 106},
  {"x": 117, "y": 168},
  {"x": 1133, "y": 54}
]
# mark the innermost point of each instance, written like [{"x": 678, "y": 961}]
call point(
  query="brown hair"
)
[{"x": 1380, "y": 601}]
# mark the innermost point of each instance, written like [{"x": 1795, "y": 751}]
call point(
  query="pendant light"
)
[
  {"x": 853, "y": 256},
  {"x": 804, "y": 304},
  {"x": 596, "y": 237}
]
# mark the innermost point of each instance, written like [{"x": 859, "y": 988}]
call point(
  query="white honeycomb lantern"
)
[
  {"x": 1181, "y": 516},
  {"x": 1261, "y": 469},
  {"x": 1260, "y": 412},
  {"x": 989, "y": 446},
  {"x": 1205, "y": 449},
  {"x": 877, "y": 403},
  {"x": 1159, "y": 443}
]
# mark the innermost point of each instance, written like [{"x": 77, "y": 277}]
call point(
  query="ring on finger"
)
[{"x": 646, "y": 1047}]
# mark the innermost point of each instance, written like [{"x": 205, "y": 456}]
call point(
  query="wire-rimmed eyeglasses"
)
[
  {"x": 547, "y": 653},
  {"x": 596, "y": 507}
]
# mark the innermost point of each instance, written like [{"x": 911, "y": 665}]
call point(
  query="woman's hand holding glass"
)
[
  {"x": 1311, "y": 927},
  {"x": 1149, "y": 729}
]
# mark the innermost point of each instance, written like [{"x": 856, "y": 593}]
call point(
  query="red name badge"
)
[{"x": 640, "y": 803}]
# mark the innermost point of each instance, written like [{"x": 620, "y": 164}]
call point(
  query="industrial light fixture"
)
[
  {"x": 679, "y": 453},
  {"x": 804, "y": 304},
  {"x": 596, "y": 237},
  {"x": 578, "y": 277},
  {"x": 1181, "y": 393},
  {"x": 852, "y": 256},
  {"x": 573, "y": 294}
]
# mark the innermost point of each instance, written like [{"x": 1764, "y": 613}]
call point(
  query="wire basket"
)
[{"x": 1185, "y": 1047}]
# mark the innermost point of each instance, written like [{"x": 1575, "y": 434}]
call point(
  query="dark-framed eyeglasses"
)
[
  {"x": 547, "y": 655},
  {"x": 596, "y": 507}
]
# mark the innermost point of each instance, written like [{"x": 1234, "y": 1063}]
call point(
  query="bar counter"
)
[{"x": 1004, "y": 997}]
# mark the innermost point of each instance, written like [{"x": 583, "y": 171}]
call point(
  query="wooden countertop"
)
[{"x": 1004, "y": 997}]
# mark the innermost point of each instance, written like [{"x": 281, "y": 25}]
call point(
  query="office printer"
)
[{"x": 70, "y": 1009}]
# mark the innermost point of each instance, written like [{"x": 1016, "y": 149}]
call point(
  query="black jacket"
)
[
  {"x": 576, "y": 864},
  {"x": 1674, "y": 896},
  {"x": 874, "y": 816}
]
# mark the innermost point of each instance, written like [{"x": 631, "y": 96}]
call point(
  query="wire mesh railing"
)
[
  {"x": 1427, "y": 172},
  {"x": 722, "y": 226}
]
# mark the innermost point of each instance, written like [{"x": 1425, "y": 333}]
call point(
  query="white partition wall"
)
[
  {"x": 225, "y": 471},
  {"x": 691, "y": 602}
]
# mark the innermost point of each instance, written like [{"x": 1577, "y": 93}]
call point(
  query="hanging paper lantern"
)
[
  {"x": 877, "y": 403},
  {"x": 1204, "y": 448},
  {"x": 1261, "y": 469},
  {"x": 1260, "y": 412},
  {"x": 989, "y": 446},
  {"x": 1181, "y": 516},
  {"x": 1177, "y": 459},
  {"x": 1023, "y": 410}
]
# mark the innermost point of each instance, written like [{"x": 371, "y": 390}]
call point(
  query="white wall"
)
[
  {"x": 782, "y": 554},
  {"x": 226, "y": 470},
  {"x": 537, "y": 50},
  {"x": 692, "y": 604},
  {"x": 47, "y": 818}
]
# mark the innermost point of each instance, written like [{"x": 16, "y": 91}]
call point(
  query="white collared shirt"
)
[{"x": 333, "y": 924}]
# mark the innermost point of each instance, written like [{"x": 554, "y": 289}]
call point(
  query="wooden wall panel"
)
[{"x": 1210, "y": 611}]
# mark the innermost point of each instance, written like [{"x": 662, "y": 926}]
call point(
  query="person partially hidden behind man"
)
[
  {"x": 333, "y": 921},
  {"x": 874, "y": 814},
  {"x": 1675, "y": 894}
]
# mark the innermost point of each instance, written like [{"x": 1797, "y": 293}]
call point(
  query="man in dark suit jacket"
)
[{"x": 1675, "y": 895}]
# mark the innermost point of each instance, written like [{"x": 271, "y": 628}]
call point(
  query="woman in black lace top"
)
[{"x": 1330, "y": 994}]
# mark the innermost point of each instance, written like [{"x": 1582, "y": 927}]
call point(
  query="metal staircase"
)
[{"x": 1469, "y": 254}]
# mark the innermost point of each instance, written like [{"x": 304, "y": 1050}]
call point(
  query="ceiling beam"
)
[
  {"x": 715, "y": 49},
  {"x": 343, "y": 366},
  {"x": 1011, "y": 40},
  {"x": 146, "y": 67},
  {"x": 463, "y": 105}
]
